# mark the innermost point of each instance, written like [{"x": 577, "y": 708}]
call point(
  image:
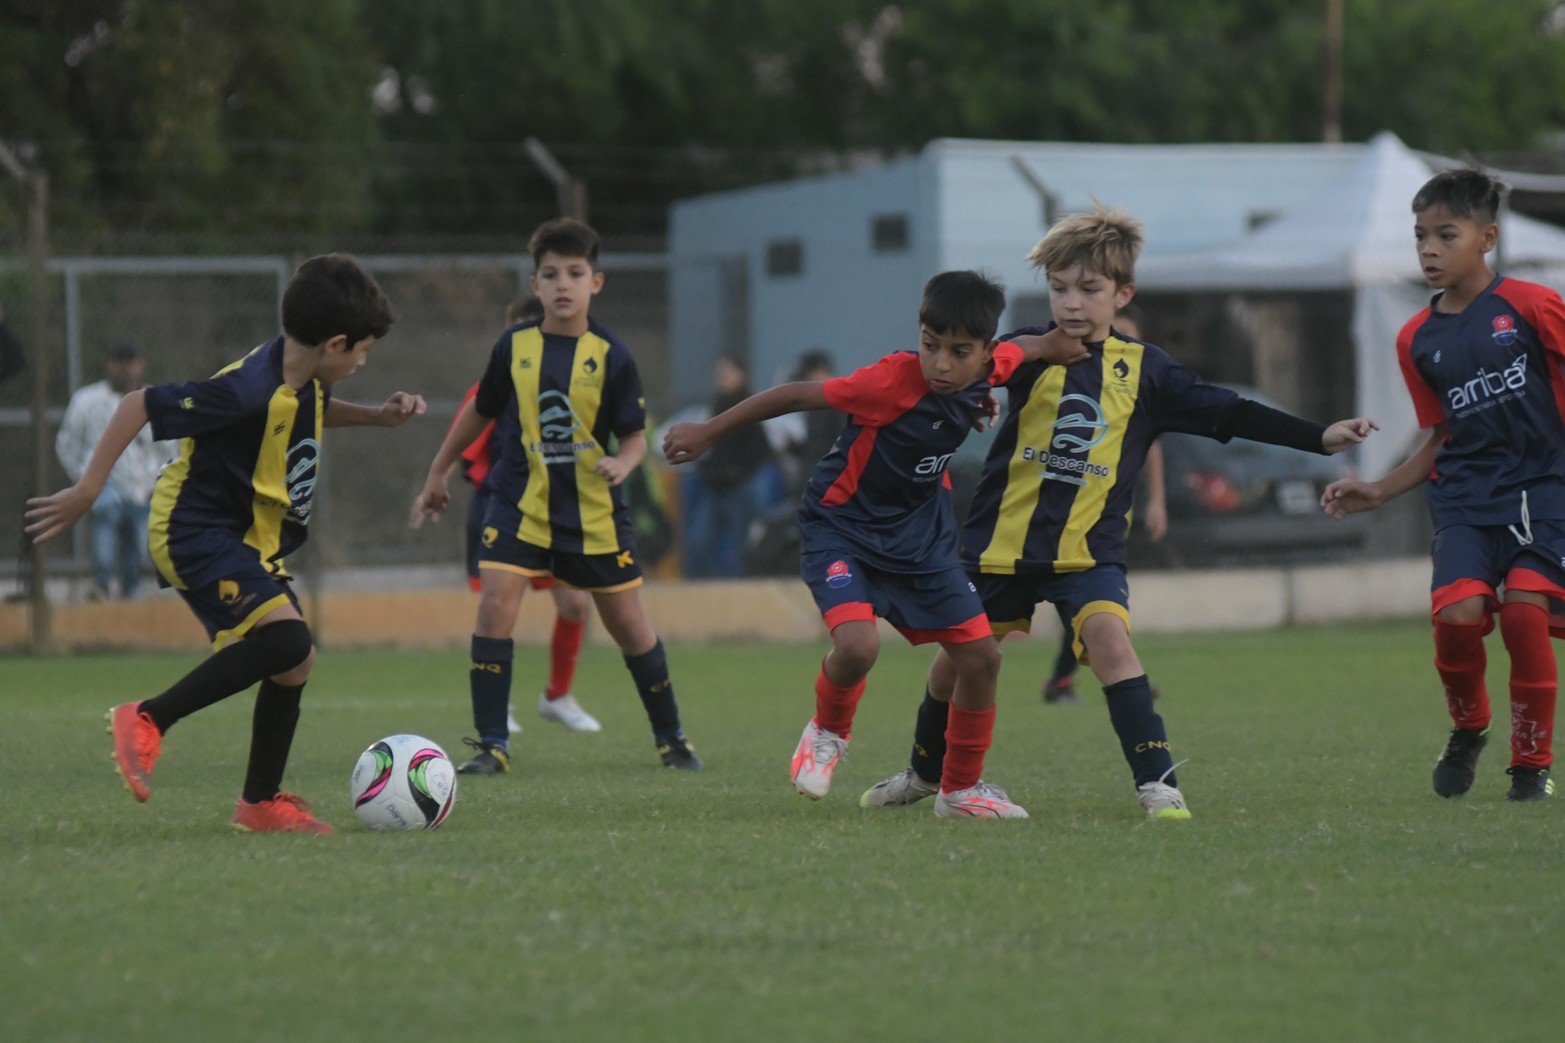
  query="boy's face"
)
[
  {"x": 951, "y": 361},
  {"x": 1084, "y": 301},
  {"x": 565, "y": 285},
  {"x": 1451, "y": 248},
  {"x": 340, "y": 359}
]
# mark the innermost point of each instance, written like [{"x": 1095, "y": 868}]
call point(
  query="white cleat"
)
[
  {"x": 567, "y": 711},
  {"x": 510, "y": 723},
  {"x": 905, "y": 787},
  {"x": 1162, "y": 800},
  {"x": 815, "y": 760},
  {"x": 983, "y": 800}
]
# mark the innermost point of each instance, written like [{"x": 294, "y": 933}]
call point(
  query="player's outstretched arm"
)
[
  {"x": 1350, "y": 495},
  {"x": 435, "y": 495},
  {"x": 686, "y": 442},
  {"x": 48, "y": 516},
  {"x": 394, "y": 412},
  {"x": 1345, "y": 434},
  {"x": 1053, "y": 347}
]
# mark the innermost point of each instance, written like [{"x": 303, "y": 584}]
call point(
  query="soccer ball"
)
[{"x": 403, "y": 782}]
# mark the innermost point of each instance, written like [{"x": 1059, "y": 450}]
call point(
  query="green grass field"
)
[{"x": 1322, "y": 892}]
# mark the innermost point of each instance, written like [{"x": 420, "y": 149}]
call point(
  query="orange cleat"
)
[
  {"x": 284, "y": 813},
  {"x": 137, "y": 744}
]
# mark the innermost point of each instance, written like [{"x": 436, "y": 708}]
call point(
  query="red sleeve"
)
[
  {"x": 1542, "y": 308},
  {"x": 1426, "y": 403},
  {"x": 877, "y": 394},
  {"x": 476, "y": 454},
  {"x": 1007, "y": 357}
]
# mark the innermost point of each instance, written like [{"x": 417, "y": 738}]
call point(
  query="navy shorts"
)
[
  {"x": 923, "y": 606},
  {"x": 1475, "y": 560},
  {"x": 230, "y": 608},
  {"x": 598, "y": 573},
  {"x": 1011, "y": 600}
]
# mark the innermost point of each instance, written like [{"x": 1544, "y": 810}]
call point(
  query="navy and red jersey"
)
[
  {"x": 1492, "y": 374},
  {"x": 480, "y": 454},
  {"x": 1057, "y": 483},
  {"x": 245, "y": 472},
  {"x": 556, "y": 402},
  {"x": 882, "y": 492}
]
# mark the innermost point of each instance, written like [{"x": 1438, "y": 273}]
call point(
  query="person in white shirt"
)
[{"x": 119, "y": 516}]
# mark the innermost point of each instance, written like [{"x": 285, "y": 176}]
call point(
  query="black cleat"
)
[
  {"x": 491, "y": 759},
  {"x": 1457, "y": 765},
  {"x": 1529, "y": 784},
  {"x": 676, "y": 753},
  {"x": 1061, "y": 691}
]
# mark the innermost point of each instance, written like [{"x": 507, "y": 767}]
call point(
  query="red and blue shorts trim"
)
[
  {"x": 925, "y": 607},
  {"x": 1476, "y": 560}
]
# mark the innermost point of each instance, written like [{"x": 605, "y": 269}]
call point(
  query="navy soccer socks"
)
[
  {"x": 273, "y": 649},
  {"x": 272, "y": 726},
  {"x": 489, "y": 681},
  {"x": 650, "y": 672},
  {"x": 1140, "y": 730},
  {"x": 929, "y": 738}
]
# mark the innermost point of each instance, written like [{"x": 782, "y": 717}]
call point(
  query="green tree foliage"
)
[
  {"x": 406, "y": 117},
  {"x": 223, "y": 117}
]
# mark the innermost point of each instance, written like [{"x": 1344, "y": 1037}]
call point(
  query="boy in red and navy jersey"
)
[
  {"x": 878, "y": 530},
  {"x": 1483, "y": 364}
]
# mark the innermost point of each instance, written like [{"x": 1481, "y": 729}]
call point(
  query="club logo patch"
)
[
  {"x": 838, "y": 574},
  {"x": 1504, "y": 330}
]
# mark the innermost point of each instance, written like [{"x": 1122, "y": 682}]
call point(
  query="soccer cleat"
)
[
  {"x": 284, "y": 813},
  {"x": 567, "y": 711},
  {"x": 1060, "y": 690},
  {"x": 491, "y": 759},
  {"x": 815, "y": 760},
  {"x": 510, "y": 723},
  {"x": 1458, "y": 763},
  {"x": 677, "y": 753},
  {"x": 1529, "y": 784},
  {"x": 1162, "y": 801},
  {"x": 905, "y": 787},
  {"x": 137, "y": 744},
  {"x": 981, "y": 800}
]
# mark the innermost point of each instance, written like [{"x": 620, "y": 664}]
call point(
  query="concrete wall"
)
[{"x": 761, "y": 610}]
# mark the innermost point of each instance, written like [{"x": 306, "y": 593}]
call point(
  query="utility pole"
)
[
  {"x": 570, "y": 192},
  {"x": 35, "y": 191},
  {"x": 1331, "y": 124}
]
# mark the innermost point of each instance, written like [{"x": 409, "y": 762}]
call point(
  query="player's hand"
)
[
  {"x": 1350, "y": 496},
  {"x": 611, "y": 469},
  {"x": 48, "y": 516},
  {"x": 399, "y": 407},
  {"x": 1155, "y": 518},
  {"x": 417, "y": 516},
  {"x": 685, "y": 442},
  {"x": 432, "y": 500},
  {"x": 1053, "y": 347},
  {"x": 1345, "y": 434},
  {"x": 988, "y": 410}
]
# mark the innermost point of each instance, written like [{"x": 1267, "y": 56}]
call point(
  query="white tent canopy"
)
[{"x": 1355, "y": 234}]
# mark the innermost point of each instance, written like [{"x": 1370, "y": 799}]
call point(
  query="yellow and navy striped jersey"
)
[
  {"x": 244, "y": 477},
  {"x": 1057, "y": 483},
  {"x": 556, "y": 402}
]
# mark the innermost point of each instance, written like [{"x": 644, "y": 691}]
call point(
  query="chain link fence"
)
[{"x": 192, "y": 316}]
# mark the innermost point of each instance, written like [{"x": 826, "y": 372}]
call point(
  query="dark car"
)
[
  {"x": 1249, "y": 503},
  {"x": 1240, "y": 503}
]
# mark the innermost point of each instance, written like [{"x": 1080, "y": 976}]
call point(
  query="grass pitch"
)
[{"x": 1321, "y": 892}]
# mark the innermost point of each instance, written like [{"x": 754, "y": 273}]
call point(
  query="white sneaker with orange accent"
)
[
  {"x": 815, "y": 760},
  {"x": 983, "y": 800}
]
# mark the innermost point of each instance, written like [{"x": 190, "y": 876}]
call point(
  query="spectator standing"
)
[
  {"x": 119, "y": 515},
  {"x": 728, "y": 474}
]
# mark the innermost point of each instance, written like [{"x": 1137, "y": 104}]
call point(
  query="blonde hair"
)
[{"x": 1106, "y": 240}]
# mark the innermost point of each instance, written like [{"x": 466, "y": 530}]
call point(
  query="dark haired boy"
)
[
  {"x": 227, "y": 510},
  {"x": 1482, "y": 363},
  {"x": 559, "y": 391},
  {"x": 878, "y": 531}
]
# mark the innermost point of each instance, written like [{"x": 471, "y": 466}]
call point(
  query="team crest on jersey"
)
[
  {"x": 838, "y": 574},
  {"x": 303, "y": 459},
  {"x": 1121, "y": 370},
  {"x": 1504, "y": 330},
  {"x": 1082, "y": 429},
  {"x": 489, "y": 535}
]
